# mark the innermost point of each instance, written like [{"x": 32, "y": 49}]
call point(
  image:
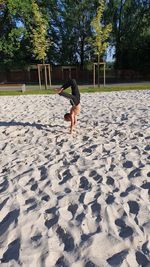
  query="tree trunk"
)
[
  {"x": 98, "y": 77},
  {"x": 82, "y": 53}
]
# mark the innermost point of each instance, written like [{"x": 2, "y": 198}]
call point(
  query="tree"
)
[
  {"x": 25, "y": 27},
  {"x": 10, "y": 35},
  {"x": 14, "y": 38},
  {"x": 69, "y": 27},
  {"x": 130, "y": 32},
  {"x": 38, "y": 34},
  {"x": 23, "y": 30},
  {"x": 100, "y": 34}
]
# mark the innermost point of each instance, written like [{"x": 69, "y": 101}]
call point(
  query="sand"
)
[{"x": 79, "y": 200}]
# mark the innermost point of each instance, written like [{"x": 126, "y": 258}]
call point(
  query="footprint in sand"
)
[
  {"x": 80, "y": 217},
  {"x": 135, "y": 173},
  {"x": 12, "y": 252},
  {"x": 66, "y": 238},
  {"x": 90, "y": 264},
  {"x": 34, "y": 186},
  {"x": 145, "y": 249},
  {"x": 134, "y": 207},
  {"x": 128, "y": 164},
  {"x": 54, "y": 220},
  {"x": 97, "y": 177},
  {"x": 73, "y": 209},
  {"x": 46, "y": 198},
  {"x": 110, "y": 180},
  {"x": 84, "y": 183},
  {"x": 118, "y": 258},
  {"x": 43, "y": 173},
  {"x": 146, "y": 186},
  {"x": 2, "y": 204},
  {"x": 61, "y": 262},
  {"x": 147, "y": 148},
  {"x": 110, "y": 199},
  {"x": 128, "y": 190},
  {"x": 142, "y": 259},
  {"x": 4, "y": 185},
  {"x": 65, "y": 177},
  {"x": 32, "y": 203},
  {"x": 125, "y": 231},
  {"x": 96, "y": 209},
  {"x": 81, "y": 198},
  {"x": 10, "y": 218},
  {"x": 67, "y": 190},
  {"x": 36, "y": 240}
]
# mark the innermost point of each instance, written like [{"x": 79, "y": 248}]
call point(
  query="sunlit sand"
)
[{"x": 77, "y": 200}]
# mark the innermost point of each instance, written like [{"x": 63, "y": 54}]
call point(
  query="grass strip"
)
[{"x": 33, "y": 90}]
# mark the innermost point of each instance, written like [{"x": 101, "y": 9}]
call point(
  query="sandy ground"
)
[{"x": 80, "y": 200}]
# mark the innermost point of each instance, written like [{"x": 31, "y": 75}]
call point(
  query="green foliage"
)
[
  {"x": 12, "y": 34},
  {"x": 130, "y": 33},
  {"x": 27, "y": 26},
  {"x": 101, "y": 31},
  {"x": 23, "y": 31},
  {"x": 38, "y": 33},
  {"x": 69, "y": 26},
  {"x": 12, "y": 44}
]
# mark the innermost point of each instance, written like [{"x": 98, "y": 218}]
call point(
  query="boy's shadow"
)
[
  {"x": 18, "y": 123},
  {"x": 39, "y": 126}
]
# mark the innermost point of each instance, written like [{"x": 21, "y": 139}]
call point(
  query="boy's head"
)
[{"x": 67, "y": 117}]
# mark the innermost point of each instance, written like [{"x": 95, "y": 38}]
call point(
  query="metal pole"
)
[
  {"x": 94, "y": 74},
  {"x": 98, "y": 71},
  {"x": 45, "y": 77},
  {"x": 104, "y": 75},
  {"x": 69, "y": 72},
  {"x": 49, "y": 73},
  {"x": 62, "y": 73},
  {"x": 39, "y": 75}
]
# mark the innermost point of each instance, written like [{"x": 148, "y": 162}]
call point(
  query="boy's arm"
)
[
  {"x": 75, "y": 120},
  {"x": 72, "y": 121}
]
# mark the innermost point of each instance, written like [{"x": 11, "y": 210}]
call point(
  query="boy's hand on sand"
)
[{"x": 71, "y": 130}]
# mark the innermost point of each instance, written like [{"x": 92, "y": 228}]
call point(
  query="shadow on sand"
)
[
  {"x": 15, "y": 123},
  {"x": 39, "y": 126}
]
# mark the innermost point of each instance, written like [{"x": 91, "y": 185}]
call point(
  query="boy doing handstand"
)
[{"x": 74, "y": 98}]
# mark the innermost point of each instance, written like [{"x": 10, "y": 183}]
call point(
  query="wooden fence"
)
[{"x": 59, "y": 74}]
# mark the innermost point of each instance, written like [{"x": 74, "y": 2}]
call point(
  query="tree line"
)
[{"x": 60, "y": 32}]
